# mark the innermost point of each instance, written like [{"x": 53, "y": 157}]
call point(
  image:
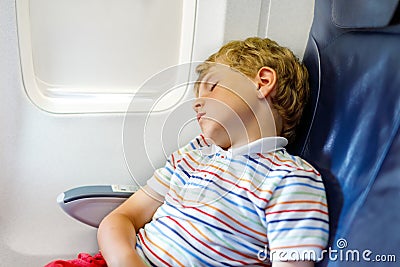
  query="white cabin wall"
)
[
  {"x": 285, "y": 21},
  {"x": 290, "y": 22},
  {"x": 42, "y": 155}
]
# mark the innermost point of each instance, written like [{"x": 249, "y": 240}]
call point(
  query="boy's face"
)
[{"x": 225, "y": 105}]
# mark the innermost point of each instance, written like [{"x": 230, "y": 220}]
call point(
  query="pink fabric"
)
[{"x": 83, "y": 260}]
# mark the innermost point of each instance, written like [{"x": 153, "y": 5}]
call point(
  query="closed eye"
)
[{"x": 214, "y": 85}]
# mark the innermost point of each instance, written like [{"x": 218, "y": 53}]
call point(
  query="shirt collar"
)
[{"x": 263, "y": 145}]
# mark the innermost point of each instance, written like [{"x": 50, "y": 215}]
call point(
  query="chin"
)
[{"x": 218, "y": 136}]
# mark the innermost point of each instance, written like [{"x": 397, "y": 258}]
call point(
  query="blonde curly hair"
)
[{"x": 292, "y": 90}]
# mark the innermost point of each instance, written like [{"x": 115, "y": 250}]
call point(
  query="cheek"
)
[
  {"x": 228, "y": 110},
  {"x": 236, "y": 102},
  {"x": 233, "y": 112},
  {"x": 220, "y": 109}
]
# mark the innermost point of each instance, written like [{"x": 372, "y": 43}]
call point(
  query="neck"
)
[
  {"x": 254, "y": 132},
  {"x": 259, "y": 124}
]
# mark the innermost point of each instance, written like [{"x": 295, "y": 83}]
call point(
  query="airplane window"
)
[{"x": 91, "y": 55}]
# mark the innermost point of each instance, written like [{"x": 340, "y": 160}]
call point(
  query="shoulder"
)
[
  {"x": 297, "y": 172},
  {"x": 294, "y": 162},
  {"x": 281, "y": 160}
]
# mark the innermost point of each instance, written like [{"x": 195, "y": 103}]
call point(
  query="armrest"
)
[{"x": 90, "y": 204}]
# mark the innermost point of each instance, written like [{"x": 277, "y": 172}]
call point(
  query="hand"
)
[{"x": 117, "y": 232}]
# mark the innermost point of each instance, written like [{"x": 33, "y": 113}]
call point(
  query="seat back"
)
[{"x": 350, "y": 129}]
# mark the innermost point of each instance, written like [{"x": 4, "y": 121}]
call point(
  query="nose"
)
[{"x": 198, "y": 104}]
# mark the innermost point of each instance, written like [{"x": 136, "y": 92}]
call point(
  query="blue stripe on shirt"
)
[
  {"x": 185, "y": 248},
  {"x": 300, "y": 228},
  {"x": 298, "y": 219},
  {"x": 302, "y": 184}
]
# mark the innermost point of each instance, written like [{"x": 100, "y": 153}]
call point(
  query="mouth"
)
[{"x": 199, "y": 115}]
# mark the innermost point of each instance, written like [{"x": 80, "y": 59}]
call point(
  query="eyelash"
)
[{"x": 212, "y": 87}]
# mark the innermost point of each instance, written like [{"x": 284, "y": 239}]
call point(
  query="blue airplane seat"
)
[{"x": 350, "y": 130}]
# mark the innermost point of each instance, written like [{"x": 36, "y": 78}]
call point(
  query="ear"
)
[{"x": 266, "y": 79}]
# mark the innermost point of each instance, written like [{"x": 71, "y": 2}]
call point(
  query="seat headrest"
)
[{"x": 364, "y": 13}]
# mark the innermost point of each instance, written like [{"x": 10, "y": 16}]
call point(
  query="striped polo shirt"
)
[{"x": 234, "y": 207}]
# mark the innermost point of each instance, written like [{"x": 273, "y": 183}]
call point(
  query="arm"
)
[
  {"x": 117, "y": 232},
  {"x": 297, "y": 206},
  {"x": 293, "y": 264}
]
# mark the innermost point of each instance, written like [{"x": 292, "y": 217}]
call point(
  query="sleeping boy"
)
[{"x": 233, "y": 196}]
